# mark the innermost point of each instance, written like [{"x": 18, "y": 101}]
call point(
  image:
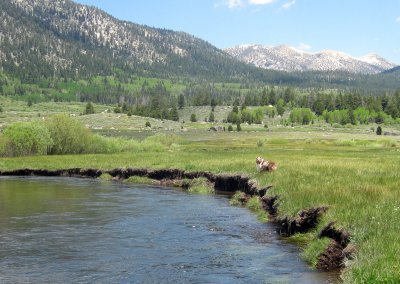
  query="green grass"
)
[
  {"x": 359, "y": 184},
  {"x": 200, "y": 186},
  {"x": 352, "y": 171},
  {"x": 254, "y": 205},
  {"x": 140, "y": 180},
  {"x": 106, "y": 177}
]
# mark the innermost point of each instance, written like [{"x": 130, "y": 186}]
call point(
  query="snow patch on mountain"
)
[{"x": 287, "y": 58}]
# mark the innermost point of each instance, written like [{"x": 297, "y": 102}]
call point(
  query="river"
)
[{"x": 74, "y": 230}]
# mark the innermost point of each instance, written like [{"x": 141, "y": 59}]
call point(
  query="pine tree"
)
[
  {"x": 89, "y": 109},
  {"x": 174, "y": 114},
  {"x": 211, "y": 117},
  {"x": 181, "y": 101},
  {"x": 193, "y": 117}
]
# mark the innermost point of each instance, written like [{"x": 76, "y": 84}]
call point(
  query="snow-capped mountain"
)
[{"x": 286, "y": 58}]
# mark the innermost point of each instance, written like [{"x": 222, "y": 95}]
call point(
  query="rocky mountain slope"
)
[
  {"x": 45, "y": 38},
  {"x": 286, "y": 58}
]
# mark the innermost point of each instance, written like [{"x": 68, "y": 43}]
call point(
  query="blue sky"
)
[{"x": 356, "y": 27}]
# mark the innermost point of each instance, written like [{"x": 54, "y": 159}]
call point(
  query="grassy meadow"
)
[{"x": 351, "y": 170}]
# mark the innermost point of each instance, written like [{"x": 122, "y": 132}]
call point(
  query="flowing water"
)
[{"x": 70, "y": 230}]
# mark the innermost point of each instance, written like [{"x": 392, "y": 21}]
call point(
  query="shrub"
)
[
  {"x": 301, "y": 115},
  {"x": 26, "y": 138},
  {"x": 117, "y": 110},
  {"x": 379, "y": 130},
  {"x": 238, "y": 127},
  {"x": 148, "y": 124},
  {"x": 230, "y": 128},
  {"x": 193, "y": 117},
  {"x": 69, "y": 136},
  {"x": 89, "y": 109}
]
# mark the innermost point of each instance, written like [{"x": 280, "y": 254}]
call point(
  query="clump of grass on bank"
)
[
  {"x": 200, "y": 186},
  {"x": 238, "y": 199},
  {"x": 315, "y": 248},
  {"x": 254, "y": 204},
  {"x": 106, "y": 177},
  {"x": 140, "y": 180}
]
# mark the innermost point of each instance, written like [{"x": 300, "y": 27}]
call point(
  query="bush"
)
[
  {"x": 69, "y": 136},
  {"x": 64, "y": 135},
  {"x": 26, "y": 138},
  {"x": 238, "y": 127},
  {"x": 230, "y": 128},
  {"x": 148, "y": 124},
  {"x": 301, "y": 115},
  {"x": 89, "y": 109},
  {"x": 379, "y": 130},
  {"x": 193, "y": 117}
]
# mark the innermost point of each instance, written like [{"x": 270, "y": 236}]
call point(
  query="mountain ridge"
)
[
  {"x": 45, "y": 38},
  {"x": 287, "y": 58},
  {"x": 44, "y": 41}
]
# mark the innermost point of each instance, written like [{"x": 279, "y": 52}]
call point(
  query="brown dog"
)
[{"x": 264, "y": 165}]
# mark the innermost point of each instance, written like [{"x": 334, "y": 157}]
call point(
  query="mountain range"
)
[
  {"x": 45, "y": 38},
  {"x": 51, "y": 39},
  {"x": 287, "y": 58}
]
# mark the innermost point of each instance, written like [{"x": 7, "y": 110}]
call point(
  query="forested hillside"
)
[
  {"x": 53, "y": 40},
  {"x": 45, "y": 38}
]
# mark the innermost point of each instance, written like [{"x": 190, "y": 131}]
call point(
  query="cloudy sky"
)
[{"x": 356, "y": 27}]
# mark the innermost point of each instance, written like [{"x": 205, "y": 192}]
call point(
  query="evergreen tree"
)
[
  {"x": 280, "y": 109},
  {"x": 181, "y": 101},
  {"x": 193, "y": 117},
  {"x": 89, "y": 109},
  {"x": 174, "y": 114},
  {"x": 213, "y": 104},
  {"x": 211, "y": 117}
]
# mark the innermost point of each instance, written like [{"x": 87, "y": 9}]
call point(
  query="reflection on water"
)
[{"x": 58, "y": 230}]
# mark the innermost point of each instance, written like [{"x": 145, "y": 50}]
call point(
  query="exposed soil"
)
[{"x": 331, "y": 259}]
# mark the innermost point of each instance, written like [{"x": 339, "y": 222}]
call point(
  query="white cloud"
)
[
  {"x": 398, "y": 19},
  {"x": 289, "y": 4},
  {"x": 232, "y": 4},
  {"x": 303, "y": 46},
  {"x": 260, "y": 2}
]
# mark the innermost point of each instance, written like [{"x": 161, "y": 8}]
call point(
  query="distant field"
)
[{"x": 104, "y": 120}]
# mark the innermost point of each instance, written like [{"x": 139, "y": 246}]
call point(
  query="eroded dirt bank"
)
[{"x": 332, "y": 258}]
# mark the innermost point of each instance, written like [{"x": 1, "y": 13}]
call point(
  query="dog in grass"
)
[{"x": 265, "y": 165}]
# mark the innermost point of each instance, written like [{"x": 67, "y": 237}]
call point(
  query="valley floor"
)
[{"x": 355, "y": 175}]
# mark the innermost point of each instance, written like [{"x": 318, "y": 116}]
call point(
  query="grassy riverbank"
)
[{"x": 356, "y": 177}]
